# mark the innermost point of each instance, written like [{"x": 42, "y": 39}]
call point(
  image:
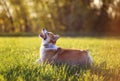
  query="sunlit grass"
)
[{"x": 18, "y": 56}]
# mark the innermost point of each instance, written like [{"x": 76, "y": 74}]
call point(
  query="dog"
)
[{"x": 53, "y": 54}]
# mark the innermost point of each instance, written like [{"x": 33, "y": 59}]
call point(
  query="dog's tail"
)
[{"x": 89, "y": 58}]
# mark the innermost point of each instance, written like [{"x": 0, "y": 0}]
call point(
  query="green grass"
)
[{"x": 18, "y": 56}]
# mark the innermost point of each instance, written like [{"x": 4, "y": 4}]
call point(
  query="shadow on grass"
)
[
  {"x": 57, "y": 72},
  {"x": 107, "y": 73},
  {"x": 42, "y": 72}
]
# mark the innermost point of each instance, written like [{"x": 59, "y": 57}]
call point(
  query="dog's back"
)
[{"x": 73, "y": 57}]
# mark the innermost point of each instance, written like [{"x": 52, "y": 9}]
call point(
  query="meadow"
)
[{"x": 18, "y": 56}]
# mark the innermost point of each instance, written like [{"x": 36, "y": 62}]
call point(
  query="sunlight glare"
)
[{"x": 96, "y": 4}]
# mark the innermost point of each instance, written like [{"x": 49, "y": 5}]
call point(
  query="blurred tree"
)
[
  {"x": 114, "y": 14},
  {"x": 8, "y": 14},
  {"x": 101, "y": 21},
  {"x": 21, "y": 14},
  {"x": 85, "y": 16}
]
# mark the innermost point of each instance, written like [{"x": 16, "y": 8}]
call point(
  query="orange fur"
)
[{"x": 68, "y": 56}]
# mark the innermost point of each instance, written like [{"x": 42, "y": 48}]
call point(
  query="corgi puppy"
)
[{"x": 51, "y": 53}]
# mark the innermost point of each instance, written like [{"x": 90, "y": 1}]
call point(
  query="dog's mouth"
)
[{"x": 43, "y": 34}]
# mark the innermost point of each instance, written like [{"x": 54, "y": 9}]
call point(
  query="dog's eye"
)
[{"x": 48, "y": 33}]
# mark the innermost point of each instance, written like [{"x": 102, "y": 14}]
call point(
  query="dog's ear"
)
[{"x": 56, "y": 37}]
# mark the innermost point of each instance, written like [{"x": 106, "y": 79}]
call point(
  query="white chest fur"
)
[{"x": 43, "y": 51}]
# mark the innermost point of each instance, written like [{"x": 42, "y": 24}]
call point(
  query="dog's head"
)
[{"x": 48, "y": 37}]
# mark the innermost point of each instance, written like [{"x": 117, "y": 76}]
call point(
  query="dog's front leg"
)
[{"x": 38, "y": 61}]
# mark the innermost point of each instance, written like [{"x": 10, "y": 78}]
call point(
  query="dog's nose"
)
[{"x": 44, "y": 30}]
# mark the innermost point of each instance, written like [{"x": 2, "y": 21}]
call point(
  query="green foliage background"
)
[{"x": 84, "y": 16}]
